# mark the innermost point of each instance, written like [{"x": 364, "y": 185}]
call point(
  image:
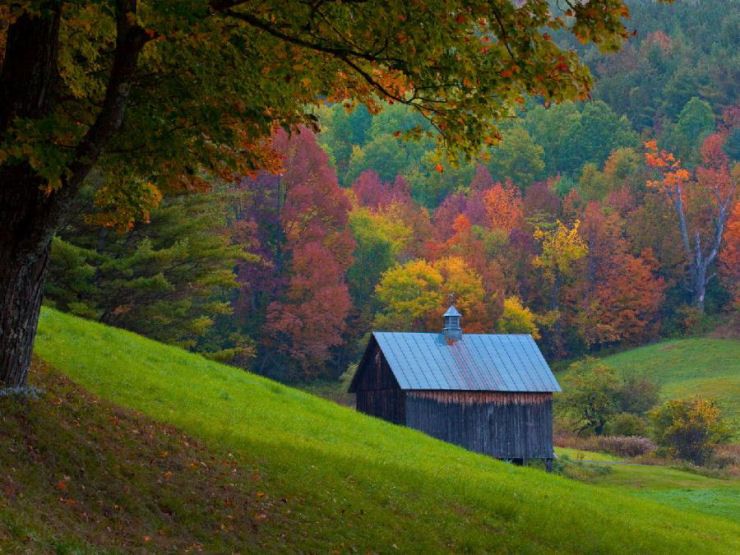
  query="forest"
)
[{"x": 593, "y": 225}]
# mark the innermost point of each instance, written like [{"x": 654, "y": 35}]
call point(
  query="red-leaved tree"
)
[{"x": 294, "y": 296}]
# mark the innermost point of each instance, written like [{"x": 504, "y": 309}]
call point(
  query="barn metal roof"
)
[{"x": 477, "y": 362}]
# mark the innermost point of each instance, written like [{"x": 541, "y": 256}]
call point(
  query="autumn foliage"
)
[
  {"x": 321, "y": 264},
  {"x": 294, "y": 294},
  {"x": 562, "y": 222}
]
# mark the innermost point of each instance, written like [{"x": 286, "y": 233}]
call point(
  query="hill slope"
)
[
  {"x": 688, "y": 367},
  {"x": 339, "y": 480},
  {"x": 80, "y": 475}
]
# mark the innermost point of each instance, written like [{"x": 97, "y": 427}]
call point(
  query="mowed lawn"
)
[{"x": 344, "y": 481}]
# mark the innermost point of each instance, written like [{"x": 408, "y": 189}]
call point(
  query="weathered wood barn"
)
[{"x": 488, "y": 393}]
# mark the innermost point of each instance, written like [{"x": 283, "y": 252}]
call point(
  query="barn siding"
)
[
  {"x": 388, "y": 404},
  {"x": 505, "y": 426},
  {"x": 378, "y": 393}
]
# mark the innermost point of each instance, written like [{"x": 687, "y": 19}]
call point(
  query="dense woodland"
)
[{"x": 591, "y": 225}]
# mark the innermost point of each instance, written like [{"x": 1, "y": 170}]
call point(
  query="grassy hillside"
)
[
  {"x": 688, "y": 367},
  {"x": 333, "y": 479},
  {"x": 79, "y": 472}
]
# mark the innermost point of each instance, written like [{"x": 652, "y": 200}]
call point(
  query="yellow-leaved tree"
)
[
  {"x": 414, "y": 295},
  {"x": 561, "y": 249},
  {"x": 517, "y": 318}
]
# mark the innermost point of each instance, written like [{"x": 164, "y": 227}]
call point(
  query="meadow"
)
[
  {"x": 324, "y": 478},
  {"x": 681, "y": 487}
]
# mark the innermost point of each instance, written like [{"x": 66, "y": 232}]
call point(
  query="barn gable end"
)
[{"x": 377, "y": 389}]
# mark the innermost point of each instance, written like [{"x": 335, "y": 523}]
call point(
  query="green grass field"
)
[
  {"x": 671, "y": 486},
  {"x": 332, "y": 479},
  {"x": 688, "y": 367}
]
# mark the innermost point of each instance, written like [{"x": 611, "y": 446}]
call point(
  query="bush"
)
[
  {"x": 627, "y": 424},
  {"x": 629, "y": 446},
  {"x": 688, "y": 321},
  {"x": 620, "y": 446},
  {"x": 726, "y": 456},
  {"x": 637, "y": 396},
  {"x": 690, "y": 429},
  {"x": 598, "y": 402},
  {"x": 589, "y": 397}
]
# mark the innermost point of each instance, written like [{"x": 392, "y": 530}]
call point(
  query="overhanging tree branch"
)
[
  {"x": 337, "y": 51},
  {"x": 130, "y": 40}
]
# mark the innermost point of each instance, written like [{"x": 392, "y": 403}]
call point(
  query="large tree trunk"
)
[
  {"x": 27, "y": 82},
  {"x": 700, "y": 287},
  {"x": 25, "y": 237},
  {"x": 21, "y": 289}
]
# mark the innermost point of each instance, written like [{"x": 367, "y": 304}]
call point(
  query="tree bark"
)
[
  {"x": 29, "y": 68},
  {"x": 21, "y": 291},
  {"x": 27, "y": 84},
  {"x": 697, "y": 261},
  {"x": 24, "y": 257}
]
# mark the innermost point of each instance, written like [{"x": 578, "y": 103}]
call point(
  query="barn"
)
[{"x": 488, "y": 393}]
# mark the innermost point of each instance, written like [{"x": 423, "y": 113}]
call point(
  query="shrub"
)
[
  {"x": 625, "y": 446},
  {"x": 637, "y": 396},
  {"x": 620, "y": 446},
  {"x": 598, "y": 402},
  {"x": 726, "y": 456},
  {"x": 590, "y": 397},
  {"x": 690, "y": 429},
  {"x": 627, "y": 424}
]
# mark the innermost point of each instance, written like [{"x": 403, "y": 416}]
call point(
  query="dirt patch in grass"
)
[{"x": 81, "y": 473}]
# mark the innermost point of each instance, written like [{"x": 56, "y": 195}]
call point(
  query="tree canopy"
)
[{"x": 167, "y": 95}]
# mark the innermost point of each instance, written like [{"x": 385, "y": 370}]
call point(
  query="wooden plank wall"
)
[
  {"x": 378, "y": 393},
  {"x": 388, "y": 404},
  {"x": 505, "y": 426}
]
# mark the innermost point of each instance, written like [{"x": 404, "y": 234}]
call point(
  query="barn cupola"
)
[{"x": 452, "y": 330}]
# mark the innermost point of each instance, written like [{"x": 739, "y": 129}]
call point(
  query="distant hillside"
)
[
  {"x": 309, "y": 475},
  {"x": 688, "y": 367}
]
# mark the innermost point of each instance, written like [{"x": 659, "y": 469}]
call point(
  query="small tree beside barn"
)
[{"x": 489, "y": 393}]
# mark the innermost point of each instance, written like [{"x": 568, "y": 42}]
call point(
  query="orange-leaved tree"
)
[
  {"x": 730, "y": 257},
  {"x": 619, "y": 294},
  {"x": 503, "y": 205},
  {"x": 715, "y": 188},
  {"x": 165, "y": 94}
]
